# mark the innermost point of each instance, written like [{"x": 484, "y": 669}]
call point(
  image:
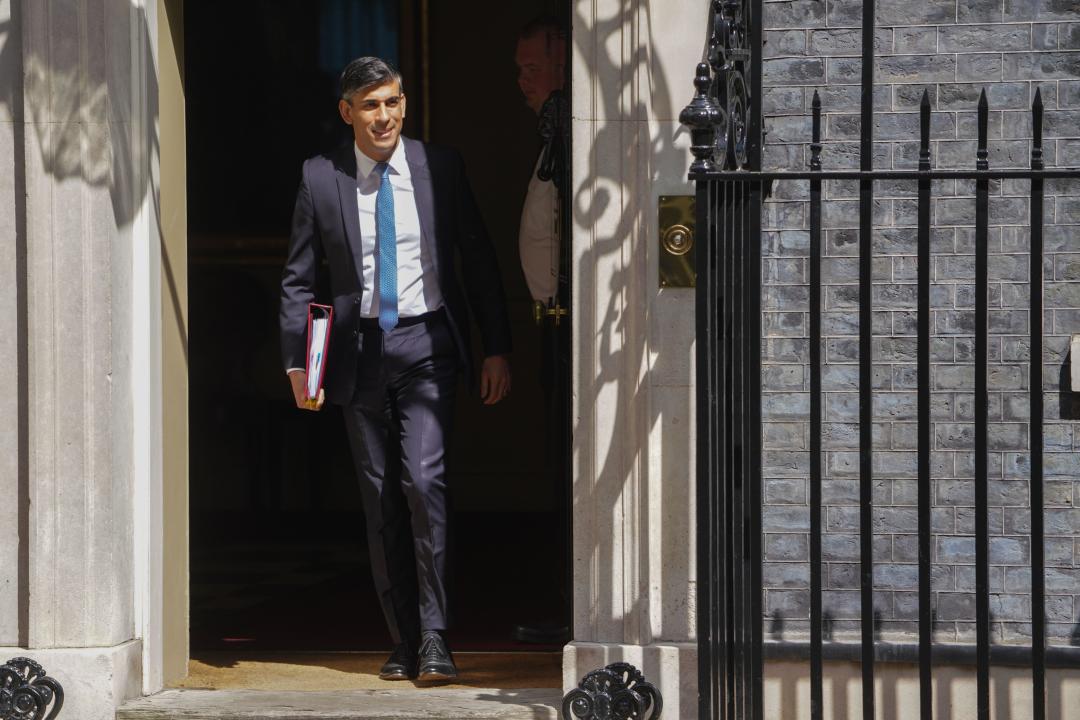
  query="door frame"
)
[{"x": 162, "y": 587}]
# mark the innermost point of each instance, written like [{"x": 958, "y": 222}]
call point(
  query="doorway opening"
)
[{"x": 278, "y": 558}]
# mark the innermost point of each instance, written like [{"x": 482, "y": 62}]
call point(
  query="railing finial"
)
[
  {"x": 1037, "y": 131},
  {"x": 924, "y": 131},
  {"x": 984, "y": 114},
  {"x": 718, "y": 114},
  {"x": 702, "y": 116},
  {"x": 815, "y": 143}
]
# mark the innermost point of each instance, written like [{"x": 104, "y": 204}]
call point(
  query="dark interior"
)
[{"x": 277, "y": 538}]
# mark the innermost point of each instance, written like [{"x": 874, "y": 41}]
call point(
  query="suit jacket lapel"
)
[
  {"x": 416, "y": 156},
  {"x": 345, "y": 165}
]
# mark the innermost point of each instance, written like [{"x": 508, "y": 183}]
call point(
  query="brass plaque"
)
[{"x": 676, "y": 217}]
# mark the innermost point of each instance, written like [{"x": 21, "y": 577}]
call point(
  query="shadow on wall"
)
[
  {"x": 787, "y": 692},
  {"x": 613, "y": 204},
  {"x": 84, "y": 99}
]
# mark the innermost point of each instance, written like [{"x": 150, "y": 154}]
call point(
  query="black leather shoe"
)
[
  {"x": 401, "y": 665},
  {"x": 436, "y": 662}
]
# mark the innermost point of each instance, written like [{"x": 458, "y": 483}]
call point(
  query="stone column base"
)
[
  {"x": 671, "y": 667},
  {"x": 96, "y": 680}
]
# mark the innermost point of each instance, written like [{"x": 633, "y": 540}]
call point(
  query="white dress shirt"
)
[
  {"x": 538, "y": 239},
  {"x": 417, "y": 281}
]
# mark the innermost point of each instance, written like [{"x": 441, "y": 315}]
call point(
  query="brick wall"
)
[{"x": 952, "y": 48}]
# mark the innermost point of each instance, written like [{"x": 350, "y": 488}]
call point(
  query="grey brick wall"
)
[{"x": 952, "y": 48}]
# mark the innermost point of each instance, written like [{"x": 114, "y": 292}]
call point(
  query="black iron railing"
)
[
  {"x": 725, "y": 121},
  {"x": 729, "y": 193}
]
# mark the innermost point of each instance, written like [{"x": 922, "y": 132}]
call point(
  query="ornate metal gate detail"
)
[
  {"x": 718, "y": 112},
  {"x": 27, "y": 693},
  {"x": 616, "y": 692}
]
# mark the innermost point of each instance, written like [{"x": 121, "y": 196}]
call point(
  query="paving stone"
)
[{"x": 409, "y": 704}]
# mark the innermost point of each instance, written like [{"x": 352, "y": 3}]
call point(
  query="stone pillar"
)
[
  {"x": 73, "y": 128},
  {"x": 634, "y": 445}
]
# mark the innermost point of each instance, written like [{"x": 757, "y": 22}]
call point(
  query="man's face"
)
[
  {"x": 376, "y": 114},
  {"x": 540, "y": 68}
]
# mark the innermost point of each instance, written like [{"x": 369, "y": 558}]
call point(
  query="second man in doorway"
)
[{"x": 540, "y": 59}]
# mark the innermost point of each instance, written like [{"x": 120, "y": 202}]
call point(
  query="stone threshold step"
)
[{"x": 408, "y": 704}]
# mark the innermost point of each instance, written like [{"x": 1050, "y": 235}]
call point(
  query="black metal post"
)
[
  {"x": 1035, "y": 363},
  {"x": 739, "y": 438},
  {"x": 816, "y": 701},
  {"x": 982, "y": 536},
  {"x": 708, "y": 595},
  {"x": 725, "y": 568},
  {"x": 752, "y": 508},
  {"x": 866, "y": 404},
  {"x": 923, "y": 371},
  {"x": 703, "y": 116},
  {"x": 754, "y": 30}
]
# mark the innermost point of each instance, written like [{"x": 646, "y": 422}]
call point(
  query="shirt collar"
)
[{"x": 397, "y": 162}]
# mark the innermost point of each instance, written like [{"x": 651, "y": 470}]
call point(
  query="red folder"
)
[{"x": 315, "y": 365}]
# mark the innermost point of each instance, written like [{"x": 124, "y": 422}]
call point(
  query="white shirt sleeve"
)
[{"x": 538, "y": 241}]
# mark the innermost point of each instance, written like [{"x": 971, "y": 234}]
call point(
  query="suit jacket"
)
[{"x": 326, "y": 225}]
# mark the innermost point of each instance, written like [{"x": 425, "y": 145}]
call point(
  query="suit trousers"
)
[{"x": 398, "y": 424}]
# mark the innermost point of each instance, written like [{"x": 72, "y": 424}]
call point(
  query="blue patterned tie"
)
[{"x": 387, "y": 238}]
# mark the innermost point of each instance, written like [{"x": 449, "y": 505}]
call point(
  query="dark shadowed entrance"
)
[{"x": 277, "y": 550}]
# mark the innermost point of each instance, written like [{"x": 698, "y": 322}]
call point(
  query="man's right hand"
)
[{"x": 298, "y": 380}]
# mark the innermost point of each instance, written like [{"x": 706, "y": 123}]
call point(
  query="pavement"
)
[
  {"x": 346, "y": 686},
  {"x": 412, "y": 704}
]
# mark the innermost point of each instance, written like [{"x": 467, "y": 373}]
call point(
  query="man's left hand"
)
[{"x": 494, "y": 379}]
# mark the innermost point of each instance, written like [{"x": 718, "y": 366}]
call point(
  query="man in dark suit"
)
[{"x": 388, "y": 214}]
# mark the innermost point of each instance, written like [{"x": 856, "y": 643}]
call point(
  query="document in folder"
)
[{"x": 318, "y": 341}]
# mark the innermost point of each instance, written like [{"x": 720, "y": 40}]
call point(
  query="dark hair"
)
[
  {"x": 549, "y": 25},
  {"x": 365, "y": 72}
]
